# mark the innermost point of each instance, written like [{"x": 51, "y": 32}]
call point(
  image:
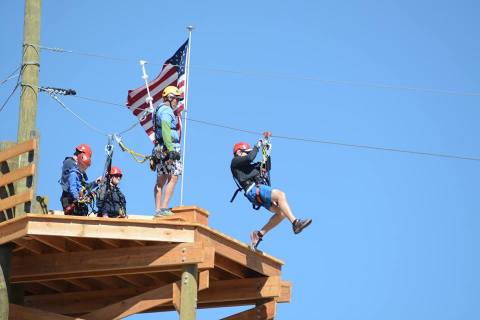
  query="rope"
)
[
  {"x": 286, "y": 76},
  {"x": 95, "y": 129},
  {"x": 138, "y": 157}
]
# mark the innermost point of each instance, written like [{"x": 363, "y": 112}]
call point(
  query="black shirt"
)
[{"x": 244, "y": 170}]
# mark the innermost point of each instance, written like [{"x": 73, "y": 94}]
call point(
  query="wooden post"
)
[
  {"x": 5, "y": 253},
  {"x": 29, "y": 94},
  {"x": 188, "y": 295}
]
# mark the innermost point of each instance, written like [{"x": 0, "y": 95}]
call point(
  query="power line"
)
[
  {"x": 329, "y": 142},
  {"x": 287, "y": 76},
  {"x": 11, "y": 94},
  {"x": 11, "y": 75}
]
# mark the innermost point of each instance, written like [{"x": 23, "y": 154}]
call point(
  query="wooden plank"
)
[
  {"x": 16, "y": 199},
  {"x": 56, "y": 243},
  {"x": 17, "y": 175},
  {"x": 285, "y": 292},
  {"x": 110, "y": 262},
  {"x": 80, "y": 284},
  {"x": 89, "y": 301},
  {"x": 231, "y": 267},
  {"x": 54, "y": 285},
  {"x": 18, "y": 149},
  {"x": 105, "y": 229},
  {"x": 133, "y": 305},
  {"x": 18, "y": 312},
  {"x": 239, "y": 253},
  {"x": 264, "y": 311},
  {"x": 241, "y": 290},
  {"x": 85, "y": 243},
  {"x": 13, "y": 229},
  {"x": 30, "y": 244}
]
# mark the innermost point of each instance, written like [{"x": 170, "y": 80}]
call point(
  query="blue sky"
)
[{"x": 395, "y": 236}]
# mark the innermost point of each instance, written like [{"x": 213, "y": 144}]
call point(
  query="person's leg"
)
[
  {"x": 279, "y": 201},
  {"x": 157, "y": 190},
  {"x": 169, "y": 188},
  {"x": 274, "y": 220}
]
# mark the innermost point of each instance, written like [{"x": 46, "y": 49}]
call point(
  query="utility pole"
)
[{"x": 29, "y": 95}]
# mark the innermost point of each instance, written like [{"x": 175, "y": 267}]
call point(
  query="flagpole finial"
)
[{"x": 190, "y": 28}]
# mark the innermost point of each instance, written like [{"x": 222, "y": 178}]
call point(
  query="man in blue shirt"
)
[
  {"x": 167, "y": 150},
  {"x": 74, "y": 183}
]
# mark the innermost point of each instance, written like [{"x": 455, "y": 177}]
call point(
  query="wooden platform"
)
[{"x": 98, "y": 268}]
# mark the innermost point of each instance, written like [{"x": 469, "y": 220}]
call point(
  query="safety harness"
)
[{"x": 263, "y": 177}]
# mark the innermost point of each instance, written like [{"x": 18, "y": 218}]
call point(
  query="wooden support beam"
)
[
  {"x": 18, "y": 149},
  {"x": 4, "y": 301},
  {"x": 23, "y": 313},
  {"x": 13, "y": 229},
  {"x": 17, "y": 199},
  {"x": 239, "y": 252},
  {"x": 85, "y": 243},
  {"x": 17, "y": 175},
  {"x": 54, "y": 285},
  {"x": 188, "y": 292},
  {"x": 30, "y": 244},
  {"x": 231, "y": 267},
  {"x": 263, "y": 311},
  {"x": 100, "y": 228},
  {"x": 241, "y": 290},
  {"x": 79, "y": 283},
  {"x": 57, "y": 243},
  {"x": 112, "y": 243},
  {"x": 133, "y": 305},
  {"x": 106, "y": 262},
  {"x": 203, "y": 283},
  {"x": 214, "y": 294}
]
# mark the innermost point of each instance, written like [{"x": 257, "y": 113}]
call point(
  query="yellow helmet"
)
[{"x": 171, "y": 90}]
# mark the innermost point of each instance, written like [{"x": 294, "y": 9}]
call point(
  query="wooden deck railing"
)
[{"x": 15, "y": 175}]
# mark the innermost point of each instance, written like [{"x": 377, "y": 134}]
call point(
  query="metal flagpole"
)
[
  {"x": 149, "y": 98},
  {"x": 187, "y": 71}
]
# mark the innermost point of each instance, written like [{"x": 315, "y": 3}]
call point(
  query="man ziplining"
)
[{"x": 254, "y": 179}]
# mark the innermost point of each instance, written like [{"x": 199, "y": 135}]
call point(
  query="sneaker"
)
[
  {"x": 298, "y": 225},
  {"x": 255, "y": 237},
  {"x": 163, "y": 212}
]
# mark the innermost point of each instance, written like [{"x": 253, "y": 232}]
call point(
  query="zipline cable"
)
[
  {"x": 286, "y": 76},
  {"x": 329, "y": 142}
]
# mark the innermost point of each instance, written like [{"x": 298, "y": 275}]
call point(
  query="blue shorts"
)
[{"x": 265, "y": 195}]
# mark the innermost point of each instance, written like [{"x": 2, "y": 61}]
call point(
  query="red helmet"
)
[
  {"x": 116, "y": 171},
  {"x": 84, "y": 160},
  {"x": 85, "y": 148},
  {"x": 241, "y": 146}
]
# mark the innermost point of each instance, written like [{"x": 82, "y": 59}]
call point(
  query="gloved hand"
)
[
  {"x": 259, "y": 144},
  {"x": 173, "y": 155}
]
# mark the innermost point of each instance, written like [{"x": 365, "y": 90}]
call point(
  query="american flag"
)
[{"x": 172, "y": 74}]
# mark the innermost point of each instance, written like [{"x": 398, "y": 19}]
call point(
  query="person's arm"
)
[
  {"x": 240, "y": 161},
  {"x": 74, "y": 184}
]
